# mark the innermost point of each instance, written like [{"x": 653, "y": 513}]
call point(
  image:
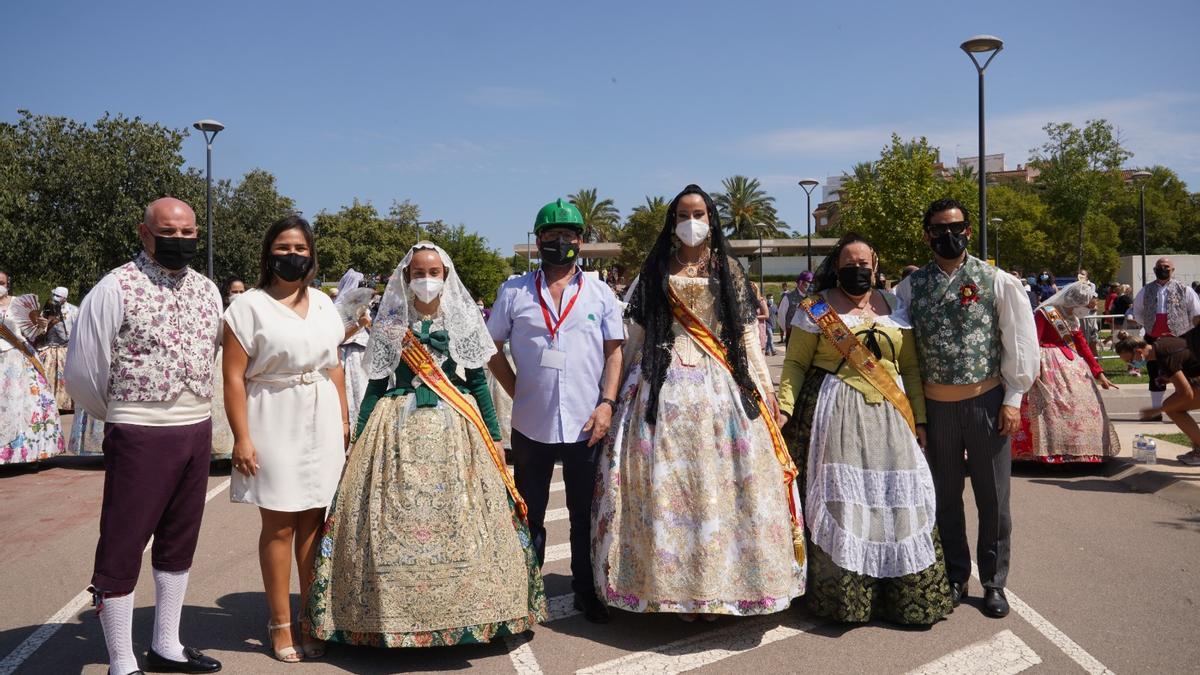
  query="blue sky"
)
[{"x": 480, "y": 112}]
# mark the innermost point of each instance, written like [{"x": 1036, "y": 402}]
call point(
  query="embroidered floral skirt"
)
[
  {"x": 422, "y": 546},
  {"x": 838, "y": 477},
  {"x": 29, "y": 425},
  {"x": 87, "y": 435},
  {"x": 691, "y": 515},
  {"x": 352, "y": 355},
  {"x": 54, "y": 361},
  {"x": 1063, "y": 417}
]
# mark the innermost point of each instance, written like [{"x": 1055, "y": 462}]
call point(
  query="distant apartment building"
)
[{"x": 996, "y": 171}]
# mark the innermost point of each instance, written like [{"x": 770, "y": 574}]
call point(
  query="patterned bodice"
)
[
  {"x": 956, "y": 322},
  {"x": 168, "y": 337}
]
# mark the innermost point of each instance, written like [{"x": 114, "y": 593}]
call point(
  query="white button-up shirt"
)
[{"x": 552, "y": 405}]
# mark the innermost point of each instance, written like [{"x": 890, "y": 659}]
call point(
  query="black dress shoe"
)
[
  {"x": 995, "y": 604},
  {"x": 593, "y": 610},
  {"x": 196, "y": 663},
  {"x": 958, "y": 591}
]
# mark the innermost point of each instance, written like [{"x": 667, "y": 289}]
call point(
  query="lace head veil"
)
[
  {"x": 1073, "y": 301},
  {"x": 470, "y": 343}
]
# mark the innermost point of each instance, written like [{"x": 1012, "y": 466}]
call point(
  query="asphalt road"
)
[{"x": 1102, "y": 578}]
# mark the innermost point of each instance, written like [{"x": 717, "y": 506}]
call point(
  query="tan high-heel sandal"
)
[{"x": 288, "y": 654}]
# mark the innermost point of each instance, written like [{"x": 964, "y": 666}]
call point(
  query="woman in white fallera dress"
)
[{"x": 286, "y": 400}]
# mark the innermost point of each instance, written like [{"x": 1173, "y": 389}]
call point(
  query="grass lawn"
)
[{"x": 1176, "y": 438}]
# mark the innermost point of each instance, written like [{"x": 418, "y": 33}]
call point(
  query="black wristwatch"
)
[{"x": 611, "y": 403}]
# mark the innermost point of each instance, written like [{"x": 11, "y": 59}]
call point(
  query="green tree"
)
[
  {"x": 1170, "y": 215},
  {"x": 1080, "y": 178},
  {"x": 886, "y": 204},
  {"x": 482, "y": 269},
  {"x": 747, "y": 211},
  {"x": 73, "y": 193},
  {"x": 601, "y": 219},
  {"x": 641, "y": 230},
  {"x": 357, "y": 236},
  {"x": 1019, "y": 240}
]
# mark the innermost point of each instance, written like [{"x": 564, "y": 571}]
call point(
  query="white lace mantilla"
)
[{"x": 470, "y": 343}]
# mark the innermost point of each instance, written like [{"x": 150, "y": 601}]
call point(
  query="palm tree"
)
[
  {"x": 747, "y": 210},
  {"x": 601, "y": 219}
]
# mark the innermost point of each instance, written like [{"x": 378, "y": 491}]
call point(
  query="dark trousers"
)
[
  {"x": 534, "y": 465},
  {"x": 971, "y": 426},
  {"x": 1152, "y": 369},
  {"x": 155, "y": 479}
]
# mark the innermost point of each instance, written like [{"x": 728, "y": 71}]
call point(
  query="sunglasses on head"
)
[{"x": 938, "y": 229}]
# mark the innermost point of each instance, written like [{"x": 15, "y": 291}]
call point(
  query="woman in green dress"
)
[
  {"x": 425, "y": 543},
  {"x": 855, "y": 428}
]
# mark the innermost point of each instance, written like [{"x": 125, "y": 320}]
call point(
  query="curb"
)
[{"x": 1143, "y": 479}]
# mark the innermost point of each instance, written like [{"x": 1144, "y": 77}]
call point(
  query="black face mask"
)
[
  {"x": 290, "y": 266},
  {"x": 174, "y": 253},
  {"x": 856, "y": 280},
  {"x": 1162, "y": 273},
  {"x": 949, "y": 245},
  {"x": 558, "y": 252}
]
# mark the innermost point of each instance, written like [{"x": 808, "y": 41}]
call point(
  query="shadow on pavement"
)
[{"x": 1188, "y": 524}]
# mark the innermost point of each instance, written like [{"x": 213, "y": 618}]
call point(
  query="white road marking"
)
[
  {"x": 556, "y": 514},
  {"x": 521, "y": 655},
  {"x": 69, "y": 610},
  {"x": 708, "y": 647},
  {"x": 1051, "y": 632},
  {"x": 1004, "y": 654},
  {"x": 557, "y": 552},
  {"x": 558, "y": 486}
]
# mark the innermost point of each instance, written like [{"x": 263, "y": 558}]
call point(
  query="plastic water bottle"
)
[{"x": 1145, "y": 450}]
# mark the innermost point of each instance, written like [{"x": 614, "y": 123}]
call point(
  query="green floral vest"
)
[{"x": 956, "y": 323}]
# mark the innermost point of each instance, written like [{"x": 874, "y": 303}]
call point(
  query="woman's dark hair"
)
[
  {"x": 651, "y": 309},
  {"x": 945, "y": 205},
  {"x": 229, "y": 284},
  {"x": 1126, "y": 343},
  {"x": 292, "y": 222},
  {"x": 826, "y": 276}
]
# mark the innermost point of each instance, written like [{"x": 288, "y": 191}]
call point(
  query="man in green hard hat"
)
[{"x": 565, "y": 333}]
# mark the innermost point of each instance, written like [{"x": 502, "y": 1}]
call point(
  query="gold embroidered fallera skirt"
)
[{"x": 422, "y": 546}]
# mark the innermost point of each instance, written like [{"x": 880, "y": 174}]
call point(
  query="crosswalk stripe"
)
[
  {"x": 554, "y": 515},
  {"x": 1003, "y": 654},
  {"x": 708, "y": 647},
  {"x": 558, "y": 486},
  {"x": 557, "y": 552}
]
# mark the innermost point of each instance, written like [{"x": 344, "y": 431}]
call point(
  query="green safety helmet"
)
[{"x": 558, "y": 213}]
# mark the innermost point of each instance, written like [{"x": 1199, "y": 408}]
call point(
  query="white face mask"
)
[
  {"x": 427, "y": 289},
  {"x": 3, "y": 290},
  {"x": 691, "y": 231}
]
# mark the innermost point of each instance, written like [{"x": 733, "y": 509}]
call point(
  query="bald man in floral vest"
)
[{"x": 141, "y": 359}]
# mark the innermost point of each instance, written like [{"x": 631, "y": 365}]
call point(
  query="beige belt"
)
[
  {"x": 291, "y": 379},
  {"x": 951, "y": 393}
]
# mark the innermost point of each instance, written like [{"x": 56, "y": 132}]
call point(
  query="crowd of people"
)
[{"x": 370, "y": 431}]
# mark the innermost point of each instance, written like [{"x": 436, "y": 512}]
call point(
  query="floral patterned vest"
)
[
  {"x": 1178, "y": 319},
  {"x": 956, "y": 323},
  {"x": 168, "y": 336}
]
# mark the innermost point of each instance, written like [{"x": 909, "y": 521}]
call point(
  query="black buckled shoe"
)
[
  {"x": 196, "y": 663},
  {"x": 995, "y": 604},
  {"x": 958, "y": 591},
  {"x": 593, "y": 610}
]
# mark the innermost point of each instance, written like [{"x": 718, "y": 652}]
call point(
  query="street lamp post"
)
[
  {"x": 528, "y": 251},
  {"x": 982, "y": 44},
  {"x": 1139, "y": 177},
  {"x": 418, "y": 225},
  {"x": 808, "y": 185},
  {"x": 996, "y": 222},
  {"x": 207, "y": 127}
]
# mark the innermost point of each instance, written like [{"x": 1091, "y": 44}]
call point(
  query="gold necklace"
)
[{"x": 691, "y": 269}]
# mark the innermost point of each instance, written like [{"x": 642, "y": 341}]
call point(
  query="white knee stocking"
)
[
  {"x": 168, "y": 605},
  {"x": 116, "y": 618}
]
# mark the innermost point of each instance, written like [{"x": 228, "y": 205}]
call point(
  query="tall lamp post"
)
[
  {"x": 418, "y": 225},
  {"x": 996, "y": 222},
  {"x": 1139, "y": 178},
  {"x": 808, "y": 185},
  {"x": 982, "y": 44},
  {"x": 207, "y": 127}
]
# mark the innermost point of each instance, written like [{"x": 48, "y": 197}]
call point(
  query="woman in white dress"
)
[
  {"x": 352, "y": 302},
  {"x": 286, "y": 401}
]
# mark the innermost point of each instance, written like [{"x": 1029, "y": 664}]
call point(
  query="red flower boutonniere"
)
[{"x": 968, "y": 293}]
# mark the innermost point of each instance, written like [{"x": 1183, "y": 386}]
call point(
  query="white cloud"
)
[{"x": 1157, "y": 128}]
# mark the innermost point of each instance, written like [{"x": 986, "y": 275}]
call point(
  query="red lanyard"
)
[{"x": 553, "y": 327}]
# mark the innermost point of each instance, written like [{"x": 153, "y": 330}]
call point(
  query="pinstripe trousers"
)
[{"x": 971, "y": 426}]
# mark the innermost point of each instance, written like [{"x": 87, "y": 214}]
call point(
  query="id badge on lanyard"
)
[{"x": 553, "y": 355}]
